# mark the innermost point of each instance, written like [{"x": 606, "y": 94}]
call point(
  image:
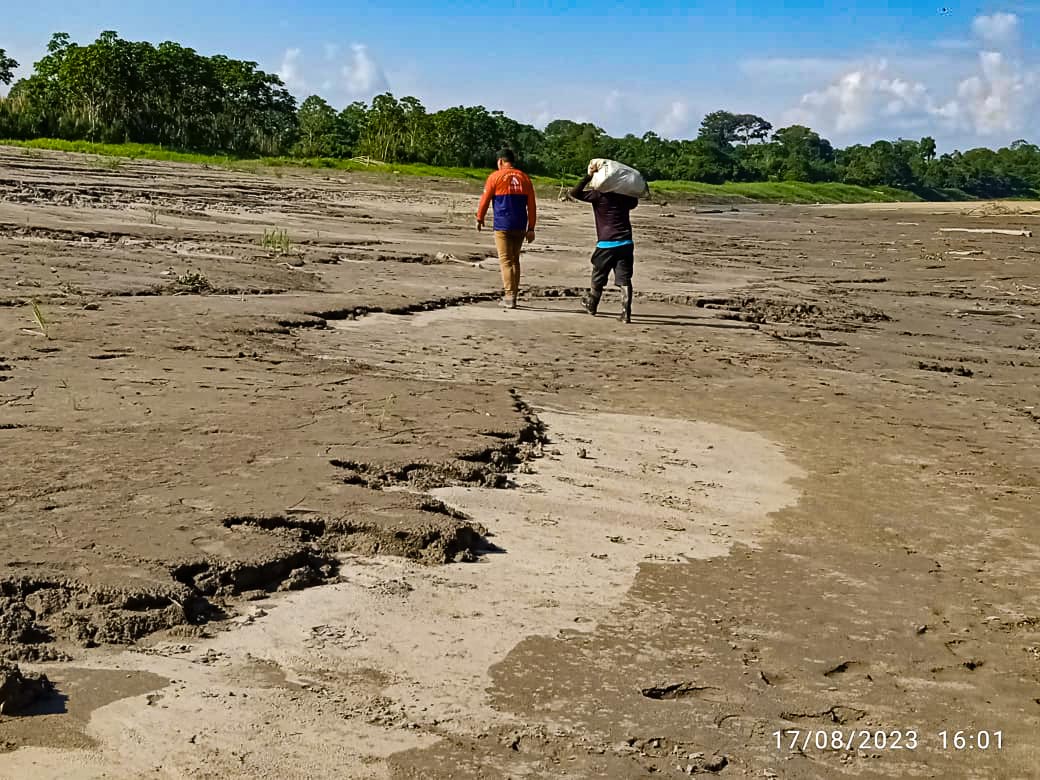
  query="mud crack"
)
[
  {"x": 956, "y": 370},
  {"x": 761, "y": 310},
  {"x": 451, "y": 537},
  {"x": 680, "y": 690},
  {"x": 355, "y": 312},
  {"x": 484, "y": 467}
]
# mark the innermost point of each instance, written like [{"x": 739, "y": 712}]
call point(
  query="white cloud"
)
[
  {"x": 864, "y": 96},
  {"x": 996, "y": 29},
  {"x": 622, "y": 110},
  {"x": 996, "y": 95},
  {"x": 339, "y": 81},
  {"x": 675, "y": 121},
  {"x": 542, "y": 115},
  {"x": 363, "y": 76},
  {"x": 289, "y": 71},
  {"x": 1000, "y": 98}
]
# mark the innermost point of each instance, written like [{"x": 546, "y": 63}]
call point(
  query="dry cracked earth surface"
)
[{"x": 320, "y": 508}]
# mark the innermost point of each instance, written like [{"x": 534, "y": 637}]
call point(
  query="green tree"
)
[
  {"x": 415, "y": 128},
  {"x": 350, "y": 127},
  {"x": 570, "y": 145},
  {"x": 7, "y": 67},
  {"x": 881, "y": 163},
  {"x": 804, "y": 155},
  {"x": 651, "y": 155},
  {"x": 464, "y": 136},
  {"x": 702, "y": 159},
  {"x": 927, "y": 147},
  {"x": 1022, "y": 161},
  {"x": 719, "y": 128},
  {"x": 317, "y": 128},
  {"x": 724, "y": 128},
  {"x": 527, "y": 141},
  {"x": 257, "y": 113},
  {"x": 751, "y": 128},
  {"x": 385, "y": 129},
  {"x": 117, "y": 90},
  {"x": 759, "y": 162}
]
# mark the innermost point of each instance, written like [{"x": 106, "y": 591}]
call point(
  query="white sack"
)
[{"x": 612, "y": 176}]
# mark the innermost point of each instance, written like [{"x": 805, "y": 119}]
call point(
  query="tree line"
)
[{"x": 117, "y": 91}]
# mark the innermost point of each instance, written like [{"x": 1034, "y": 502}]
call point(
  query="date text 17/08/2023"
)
[{"x": 910, "y": 739}]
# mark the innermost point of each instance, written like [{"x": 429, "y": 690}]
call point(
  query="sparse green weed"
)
[
  {"x": 277, "y": 240},
  {"x": 194, "y": 282}
]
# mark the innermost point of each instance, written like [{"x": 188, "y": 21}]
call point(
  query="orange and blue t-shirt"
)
[{"x": 511, "y": 192}]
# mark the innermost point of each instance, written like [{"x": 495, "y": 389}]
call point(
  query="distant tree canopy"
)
[
  {"x": 7, "y": 66},
  {"x": 114, "y": 90}
]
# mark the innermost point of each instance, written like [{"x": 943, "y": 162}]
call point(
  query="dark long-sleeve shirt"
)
[{"x": 611, "y": 210}]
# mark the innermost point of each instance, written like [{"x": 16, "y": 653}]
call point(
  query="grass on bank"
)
[
  {"x": 765, "y": 192},
  {"x": 784, "y": 192},
  {"x": 129, "y": 151}
]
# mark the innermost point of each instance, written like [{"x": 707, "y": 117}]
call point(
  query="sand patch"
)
[{"x": 334, "y": 679}]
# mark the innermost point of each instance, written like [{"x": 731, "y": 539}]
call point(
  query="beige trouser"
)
[{"x": 509, "y": 243}]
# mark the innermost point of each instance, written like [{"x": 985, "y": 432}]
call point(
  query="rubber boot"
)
[
  {"x": 626, "y": 303},
  {"x": 590, "y": 301}
]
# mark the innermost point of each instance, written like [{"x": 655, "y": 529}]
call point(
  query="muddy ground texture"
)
[{"x": 195, "y": 417}]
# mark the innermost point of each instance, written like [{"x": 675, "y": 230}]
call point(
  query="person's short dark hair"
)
[{"x": 508, "y": 156}]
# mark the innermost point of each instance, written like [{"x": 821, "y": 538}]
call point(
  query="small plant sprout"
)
[
  {"x": 38, "y": 316},
  {"x": 386, "y": 408}
]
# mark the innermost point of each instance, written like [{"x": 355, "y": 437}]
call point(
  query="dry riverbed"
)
[{"x": 316, "y": 506}]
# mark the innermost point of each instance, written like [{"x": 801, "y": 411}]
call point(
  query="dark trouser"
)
[{"x": 618, "y": 259}]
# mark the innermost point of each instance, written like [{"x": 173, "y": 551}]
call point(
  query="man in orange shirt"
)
[{"x": 515, "y": 214}]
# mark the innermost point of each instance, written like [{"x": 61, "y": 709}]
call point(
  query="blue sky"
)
[{"x": 855, "y": 71}]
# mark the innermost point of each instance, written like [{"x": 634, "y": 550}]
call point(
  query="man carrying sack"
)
[
  {"x": 612, "y": 198},
  {"x": 515, "y": 215}
]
